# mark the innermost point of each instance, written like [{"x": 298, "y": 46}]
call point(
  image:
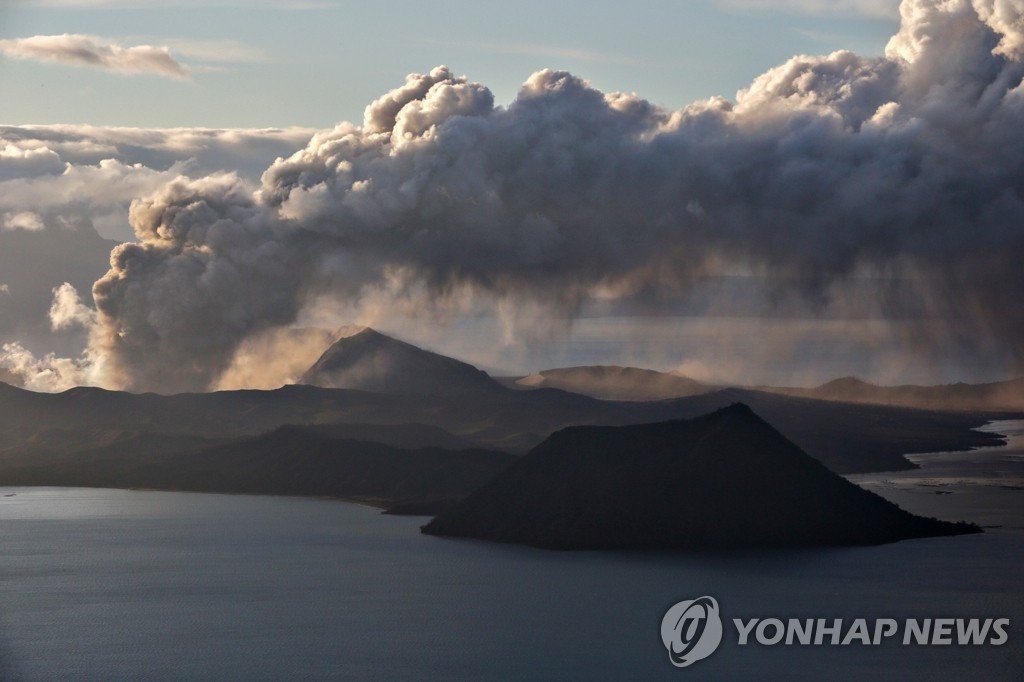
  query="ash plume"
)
[{"x": 825, "y": 169}]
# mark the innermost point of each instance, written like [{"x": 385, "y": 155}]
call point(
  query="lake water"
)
[{"x": 130, "y": 585}]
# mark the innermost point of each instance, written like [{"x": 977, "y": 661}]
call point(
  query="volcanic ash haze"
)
[{"x": 824, "y": 169}]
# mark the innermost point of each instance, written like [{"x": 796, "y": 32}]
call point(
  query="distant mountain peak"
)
[
  {"x": 365, "y": 359},
  {"x": 847, "y": 382},
  {"x": 738, "y": 409},
  {"x": 350, "y": 330}
]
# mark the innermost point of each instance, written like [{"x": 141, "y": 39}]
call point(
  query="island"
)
[{"x": 724, "y": 480}]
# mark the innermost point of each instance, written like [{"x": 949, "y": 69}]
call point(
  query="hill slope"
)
[
  {"x": 290, "y": 460},
  {"x": 727, "y": 479},
  {"x": 1001, "y": 395},
  {"x": 610, "y": 382}
]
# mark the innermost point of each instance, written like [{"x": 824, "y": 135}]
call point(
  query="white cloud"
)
[
  {"x": 48, "y": 373},
  {"x": 82, "y": 50},
  {"x": 25, "y": 220},
  {"x": 247, "y": 150},
  {"x": 25, "y": 162},
  {"x": 67, "y": 309},
  {"x": 1005, "y": 18},
  {"x": 94, "y": 173},
  {"x": 887, "y": 9}
]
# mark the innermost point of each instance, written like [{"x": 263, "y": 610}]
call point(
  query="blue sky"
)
[{"x": 316, "y": 63}]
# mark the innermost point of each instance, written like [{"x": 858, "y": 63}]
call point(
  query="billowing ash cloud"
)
[
  {"x": 825, "y": 169},
  {"x": 64, "y": 187},
  {"x": 80, "y": 50}
]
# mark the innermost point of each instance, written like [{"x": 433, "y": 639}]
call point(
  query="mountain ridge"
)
[
  {"x": 849, "y": 438},
  {"x": 287, "y": 460}
]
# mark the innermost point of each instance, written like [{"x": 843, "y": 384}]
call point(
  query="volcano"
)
[
  {"x": 370, "y": 361},
  {"x": 726, "y": 479}
]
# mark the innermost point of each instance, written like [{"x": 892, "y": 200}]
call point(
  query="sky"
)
[
  {"x": 260, "y": 64},
  {"x": 744, "y": 191}
]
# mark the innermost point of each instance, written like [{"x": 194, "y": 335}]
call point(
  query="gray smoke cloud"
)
[
  {"x": 64, "y": 197},
  {"x": 908, "y": 168}
]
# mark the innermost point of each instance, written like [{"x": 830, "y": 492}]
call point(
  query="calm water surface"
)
[{"x": 130, "y": 585}]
